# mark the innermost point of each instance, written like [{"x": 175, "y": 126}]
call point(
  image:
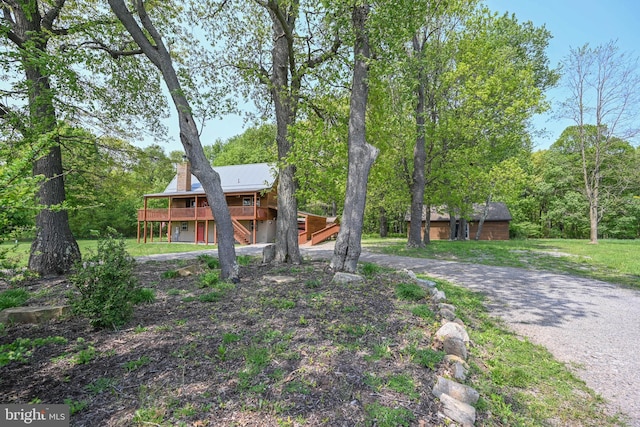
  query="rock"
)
[
  {"x": 342, "y": 278},
  {"x": 426, "y": 283},
  {"x": 437, "y": 295},
  {"x": 459, "y": 371},
  {"x": 459, "y": 322},
  {"x": 190, "y": 270},
  {"x": 455, "y": 346},
  {"x": 459, "y": 412},
  {"x": 452, "y": 329},
  {"x": 411, "y": 274},
  {"x": 460, "y": 392},
  {"x": 452, "y": 358},
  {"x": 447, "y": 314},
  {"x": 280, "y": 279},
  {"x": 268, "y": 253},
  {"x": 33, "y": 314},
  {"x": 444, "y": 305}
]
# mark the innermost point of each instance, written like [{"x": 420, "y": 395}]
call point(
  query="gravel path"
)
[{"x": 591, "y": 325}]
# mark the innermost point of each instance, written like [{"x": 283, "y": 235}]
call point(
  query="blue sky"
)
[{"x": 572, "y": 24}]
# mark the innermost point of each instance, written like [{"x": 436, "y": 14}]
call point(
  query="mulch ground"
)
[{"x": 283, "y": 347}]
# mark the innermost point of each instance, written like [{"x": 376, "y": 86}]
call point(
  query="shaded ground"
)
[
  {"x": 591, "y": 325},
  {"x": 262, "y": 353}
]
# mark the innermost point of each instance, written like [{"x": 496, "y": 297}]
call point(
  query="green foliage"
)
[
  {"x": 212, "y": 263},
  {"x": 133, "y": 365},
  {"x": 13, "y": 298},
  {"x": 170, "y": 274},
  {"x": 209, "y": 279},
  {"x": 410, "y": 291},
  {"x": 423, "y": 311},
  {"x": 428, "y": 358},
  {"x": 100, "y": 385},
  {"x": 75, "y": 406},
  {"x": 106, "y": 286},
  {"x": 245, "y": 259},
  {"x": 22, "y": 348},
  {"x": 143, "y": 295},
  {"x": 255, "y": 145},
  {"x": 369, "y": 269},
  {"x": 385, "y": 416}
]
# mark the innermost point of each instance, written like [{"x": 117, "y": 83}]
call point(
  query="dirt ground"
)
[{"x": 283, "y": 347}]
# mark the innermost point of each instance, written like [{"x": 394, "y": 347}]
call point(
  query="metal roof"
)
[
  {"x": 234, "y": 179},
  {"x": 498, "y": 211}
]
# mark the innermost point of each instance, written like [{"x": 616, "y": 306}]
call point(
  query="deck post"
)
[{"x": 144, "y": 232}]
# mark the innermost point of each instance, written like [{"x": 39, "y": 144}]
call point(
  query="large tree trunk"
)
[
  {"x": 189, "y": 136},
  {"x": 361, "y": 154},
  {"x": 427, "y": 225},
  {"x": 287, "y": 248},
  {"x": 54, "y": 249},
  {"x": 593, "y": 216},
  {"x": 483, "y": 217},
  {"x": 384, "y": 222},
  {"x": 419, "y": 162}
]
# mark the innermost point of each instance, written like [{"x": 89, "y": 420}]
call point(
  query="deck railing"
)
[{"x": 203, "y": 213}]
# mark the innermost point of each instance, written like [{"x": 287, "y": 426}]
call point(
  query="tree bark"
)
[
  {"x": 361, "y": 154},
  {"x": 384, "y": 222},
  {"x": 419, "y": 161},
  {"x": 483, "y": 217},
  {"x": 189, "y": 136},
  {"x": 54, "y": 249},
  {"x": 427, "y": 225},
  {"x": 287, "y": 247}
]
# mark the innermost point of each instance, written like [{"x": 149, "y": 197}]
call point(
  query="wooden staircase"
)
[
  {"x": 240, "y": 232},
  {"x": 322, "y": 235}
]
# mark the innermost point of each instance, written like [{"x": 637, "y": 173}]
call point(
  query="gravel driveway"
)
[{"x": 591, "y": 325}]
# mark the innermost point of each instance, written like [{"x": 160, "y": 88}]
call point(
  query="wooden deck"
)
[{"x": 201, "y": 214}]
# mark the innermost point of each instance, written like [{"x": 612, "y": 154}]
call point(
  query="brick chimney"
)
[{"x": 184, "y": 177}]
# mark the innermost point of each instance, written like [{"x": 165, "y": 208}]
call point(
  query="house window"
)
[
  {"x": 184, "y": 226},
  {"x": 247, "y": 201}
]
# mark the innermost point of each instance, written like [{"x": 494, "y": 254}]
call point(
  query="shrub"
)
[
  {"x": 106, "y": 286},
  {"x": 410, "y": 291},
  {"x": 13, "y": 298},
  {"x": 212, "y": 263}
]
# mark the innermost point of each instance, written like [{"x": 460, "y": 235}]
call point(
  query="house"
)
[
  {"x": 495, "y": 227},
  {"x": 251, "y": 195}
]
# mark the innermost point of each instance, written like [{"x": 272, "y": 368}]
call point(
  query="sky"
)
[{"x": 572, "y": 24}]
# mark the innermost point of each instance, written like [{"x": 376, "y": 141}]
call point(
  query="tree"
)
[
  {"x": 604, "y": 104},
  {"x": 154, "y": 48},
  {"x": 489, "y": 96},
  {"x": 278, "y": 59},
  {"x": 255, "y": 145},
  {"x": 361, "y": 154},
  {"x": 28, "y": 27}
]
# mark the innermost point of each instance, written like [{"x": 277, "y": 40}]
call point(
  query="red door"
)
[{"x": 200, "y": 236}]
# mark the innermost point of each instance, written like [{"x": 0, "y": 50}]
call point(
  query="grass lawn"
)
[
  {"x": 616, "y": 261},
  {"x": 274, "y": 352},
  {"x": 21, "y": 250}
]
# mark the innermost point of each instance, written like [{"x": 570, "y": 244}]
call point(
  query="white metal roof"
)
[{"x": 234, "y": 179}]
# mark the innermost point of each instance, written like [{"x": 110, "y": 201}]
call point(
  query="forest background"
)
[{"x": 483, "y": 76}]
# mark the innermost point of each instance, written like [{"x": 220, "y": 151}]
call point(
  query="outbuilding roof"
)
[
  {"x": 234, "y": 179},
  {"x": 498, "y": 211}
]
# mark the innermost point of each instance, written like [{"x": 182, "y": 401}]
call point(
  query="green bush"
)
[
  {"x": 107, "y": 288},
  {"x": 410, "y": 291},
  {"x": 13, "y": 298}
]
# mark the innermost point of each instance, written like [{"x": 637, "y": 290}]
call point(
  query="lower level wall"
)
[{"x": 492, "y": 230}]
